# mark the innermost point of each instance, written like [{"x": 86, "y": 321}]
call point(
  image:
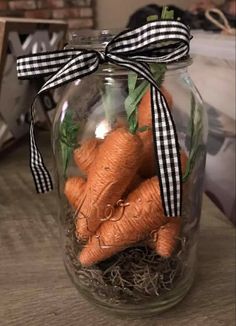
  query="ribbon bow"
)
[{"x": 162, "y": 41}]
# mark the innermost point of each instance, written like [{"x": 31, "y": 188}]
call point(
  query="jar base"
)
[{"x": 158, "y": 306}]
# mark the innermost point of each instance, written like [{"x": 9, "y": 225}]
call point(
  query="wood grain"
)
[{"x": 35, "y": 290}]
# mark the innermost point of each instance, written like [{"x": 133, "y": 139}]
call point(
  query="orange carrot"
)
[
  {"x": 130, "y": 224},
  {"x": 135, "y": 182},
  {"x": 115, "y": 166},
  {"x": 74, "y": 188},
  {"x": 165, "y": 239},
  {"x": 183, "y": 160},
  {"x": 148, "y": 166},
  {"x": 86, "y": 153},
  {"x": 144, "y": 108}
]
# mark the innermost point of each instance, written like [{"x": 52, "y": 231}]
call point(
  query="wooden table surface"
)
[{"x": 34, "y": 287}]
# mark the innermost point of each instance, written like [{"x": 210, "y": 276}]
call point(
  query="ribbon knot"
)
[
  {"x": 102, "y": 56},
  {"x": 163, "y": 41}
]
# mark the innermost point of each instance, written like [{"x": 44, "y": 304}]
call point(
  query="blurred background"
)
[
  {"x": 98, "y": 13},
  {"x": 213, "y": 70}
]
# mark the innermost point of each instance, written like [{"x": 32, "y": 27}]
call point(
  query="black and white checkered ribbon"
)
[{"x": 159, "y": 42}]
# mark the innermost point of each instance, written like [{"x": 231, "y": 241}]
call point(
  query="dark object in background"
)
[
  {"x": 139, "y": 17},
  {"x": 194, "y": 20}
]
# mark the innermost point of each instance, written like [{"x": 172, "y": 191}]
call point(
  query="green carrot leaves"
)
[
  {"x": 136, "y": 93},
  {"x": 195, "y": 130},
  {"x": 167, "y": 14},
  {"x": 68, "y": 138}
]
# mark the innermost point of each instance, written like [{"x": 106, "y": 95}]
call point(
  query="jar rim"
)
[
  {"x": 92, "y": 38},
  {"x": 98, "y": 39}
]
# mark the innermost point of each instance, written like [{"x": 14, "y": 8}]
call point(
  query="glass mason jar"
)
[{"x": 120, "y": 251}]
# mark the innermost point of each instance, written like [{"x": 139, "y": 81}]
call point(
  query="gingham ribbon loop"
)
[{"x": 159, "y": 42}]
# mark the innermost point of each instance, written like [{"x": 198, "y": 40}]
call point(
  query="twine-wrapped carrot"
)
[
  {"x": 85, "y": 155},
  {"x": 115, "y": 166},
  {"x": 183, "y": 160},
  {"x": 74, "y": 186},
  {"x": 131, "y": 223},
  {"x": 74, "y": 189},
  {"x": 144, "y": 108},
  {"x": 148, "y": 166},
  {"x": 135, "y": 182},
  {"x": 164, "y": 240},
  {"x": 167, "y": 237}
]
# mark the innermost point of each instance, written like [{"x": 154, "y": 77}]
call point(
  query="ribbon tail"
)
[
  {"x": 168, "y": 155},
  {"x": 42, "y": 178},
  {"x": 76, "y": 67}
]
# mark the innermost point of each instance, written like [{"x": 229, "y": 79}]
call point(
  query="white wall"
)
[{"x": 115, "y": 13}]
